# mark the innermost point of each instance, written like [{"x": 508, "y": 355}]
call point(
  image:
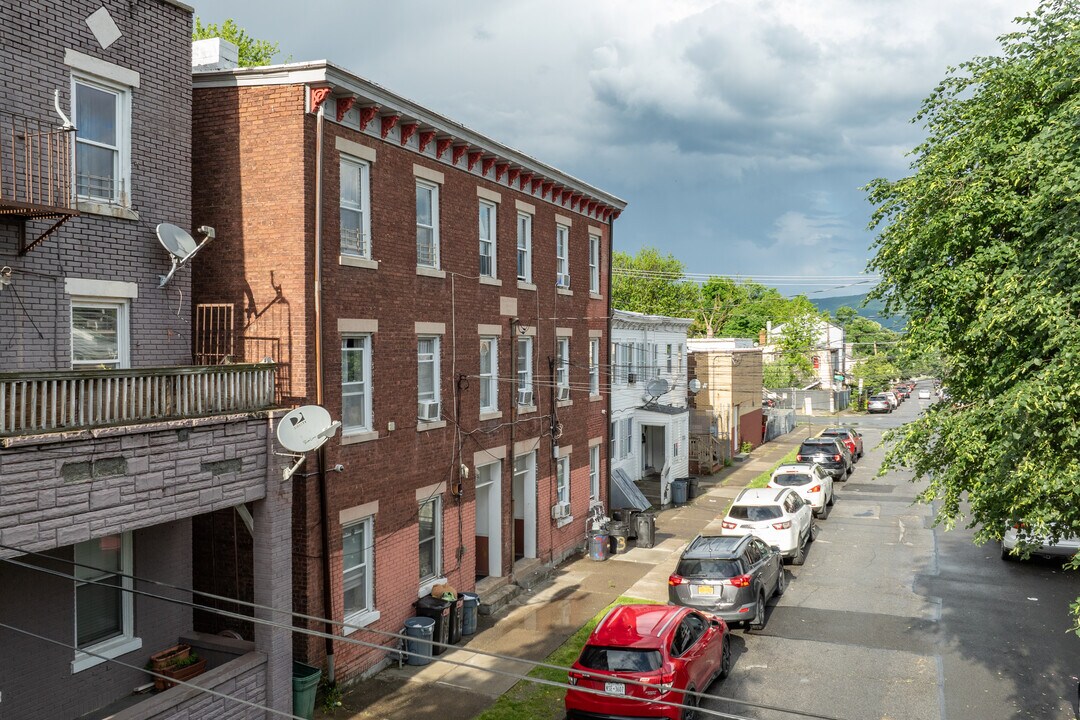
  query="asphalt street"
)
[{"x": 893, "y": 618}]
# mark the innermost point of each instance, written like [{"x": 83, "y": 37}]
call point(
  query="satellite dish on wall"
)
[
  {"x": 694, "y": 385},
  {"x": 306, "y": 428},
  {"x": 656, "y": 387},
  {"x": 180, "y": 245}
]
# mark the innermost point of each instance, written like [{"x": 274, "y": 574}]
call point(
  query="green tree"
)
[
  {"x": 876, "y": 372},
  {"x": 651, "y": 283},
  {"x": 798, "y": 339},
  {"x": 978, "y": 245},
  {"x": 252, "y": 52}
]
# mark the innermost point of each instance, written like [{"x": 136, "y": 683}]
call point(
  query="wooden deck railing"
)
[{"x": 66, "y": 400}]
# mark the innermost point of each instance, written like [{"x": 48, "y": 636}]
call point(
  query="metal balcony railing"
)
[{"x": 65, "y": 400}]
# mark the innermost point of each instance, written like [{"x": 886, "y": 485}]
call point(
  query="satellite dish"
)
[
  {"x": 306, "y": 428},
  {"x": 656, "y": 387},
  {"x": 180, "y": 245},
  {"x": 694, "y": 385}
]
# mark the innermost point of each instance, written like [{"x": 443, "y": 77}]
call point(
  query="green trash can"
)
[{"x": 305, "y": 684}]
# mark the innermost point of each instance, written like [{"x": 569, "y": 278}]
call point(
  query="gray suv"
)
[{"x": 729, "y": 577}]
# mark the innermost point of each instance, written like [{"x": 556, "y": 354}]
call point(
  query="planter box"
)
[{"x": 185, "y": 673}]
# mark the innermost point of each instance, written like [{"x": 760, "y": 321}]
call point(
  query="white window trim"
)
[
  {"x": 362, "y": 618},
  {"x": 123, "y": 89},
  {"x": 594, "y": 472},
  {"x": 493, "y": 239},
  {"x": 436, "y": 379},
  {"x": 529, "y": 383},
  {"x": 594, "y": 264},
  {"x": 123, "y": 328},
  {"x": 369, "y": 424},
  {"x": 562, "y": 362},
  {"x": 125, "y": 643},
  {"x": 562, "y": 250},
  {"x": 527, "y": 279},
  {"x": 437, "y": 515},
  {"x": 492, "y": 380},
  {"x": 434, "y": 189},
  {"x": 594, "y": 367},
  {"x": 562, "y": 490},
  {"x": 364, "y": 168}
]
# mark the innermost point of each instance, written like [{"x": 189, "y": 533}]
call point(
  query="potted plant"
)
[{"x": 178, "y": 663}]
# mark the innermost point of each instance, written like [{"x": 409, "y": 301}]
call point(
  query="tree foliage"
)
[
  {"x": 651, "y": 283},
  {"x": 252, "y": 52},
  {"x": 979, "y": 246}
]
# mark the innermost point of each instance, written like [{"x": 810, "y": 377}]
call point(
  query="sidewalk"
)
[{"x": 539, "y": 621}]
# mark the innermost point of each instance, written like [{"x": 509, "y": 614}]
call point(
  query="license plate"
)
[
  {"x": 704, "y": 589},
  {"x": 614, "y": 688},
  {"x": 747, "y": 526}
]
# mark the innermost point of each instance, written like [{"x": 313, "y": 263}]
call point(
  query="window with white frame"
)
[
  {"x": 102, "y": 112},
  {"x": 487, "y": 239},
  {"x": 562, "y": 367},
  {"x": 628, "y": 437},
  {"x": 525, "y": 371},
  {"x": 427, "y": 379},
  {"x": 562, "y": 479},
  {"x": 358, "y": 578},
  {"x": 614, "y": 439},
  {"x": 670, "y": 354},
  {"x": 355, "y": 200},
  {"x": 655, "y": 352},
  {"x": 594, "y": 472},
  {"x": 594, "y": 264},
  {"x": 99, "y": 333},
  {"x": 562, "y": 256},
  {"x": 104, "y": 616},
  {"x": 524, "y": 247},
  {"x": 594, "y": 366},
  {"x": 631, "y": 359},
  {"x": 489, "y": 374},
  {"x": 356, "y": 383},
  {"x": 427, "y": 224},
  {"x": 430, "y": 538}
]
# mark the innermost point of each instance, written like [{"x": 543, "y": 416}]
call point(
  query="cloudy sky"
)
[{"x": 739, "y": 131}]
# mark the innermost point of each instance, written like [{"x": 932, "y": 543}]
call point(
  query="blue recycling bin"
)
[
  {"x": 468, "y": 617},
  {"x": 420, "y": 630},
  {"x": 679, "y": 490}
]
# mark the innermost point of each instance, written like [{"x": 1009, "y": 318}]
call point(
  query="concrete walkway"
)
[{"x": 539, "y": 621}]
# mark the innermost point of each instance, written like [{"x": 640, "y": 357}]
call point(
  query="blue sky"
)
[{"x": 740, "y": 132}]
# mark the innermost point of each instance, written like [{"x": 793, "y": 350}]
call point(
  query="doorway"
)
[
  {"x": 489, "y": 520},
  {"x": 523, "y": 499}
]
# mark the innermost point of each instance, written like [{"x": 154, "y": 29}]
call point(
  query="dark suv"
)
[
  {"x": 730, "y": 577},
  {"x": 827, "y": 452}
]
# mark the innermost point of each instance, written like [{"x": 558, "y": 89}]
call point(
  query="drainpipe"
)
[
  {"x": 607, "y": 424},
  {"x": 319, "y": 396},
  {"x": 513, "y": 422}
]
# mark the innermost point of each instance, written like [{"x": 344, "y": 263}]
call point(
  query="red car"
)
[
  {"x": 850, "y": 438},
  {"x": 670, "y": 648}
]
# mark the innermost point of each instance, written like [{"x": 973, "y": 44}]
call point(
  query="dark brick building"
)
[{"x": 443, "y": 295}]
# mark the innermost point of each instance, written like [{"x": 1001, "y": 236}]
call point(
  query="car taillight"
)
[
  {"x": 675, "y": 580},
  {"x": 816, "y": 488},
  {"x": 667, "y": 680},
  {"x": 799, "y": 458},
  {"x": 727, "y": 525},
  {"x": 574, "y": 677},
  {"x": 740, "y": 581},
  {"x": 782, "y": 525},
  {"x": 836, "y": 458}
]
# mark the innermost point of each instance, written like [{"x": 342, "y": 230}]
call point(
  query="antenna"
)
[
  {"x": 303, "y": 430},
  {"x": 180, "y": 245},
  {"x": 655, "y": 388}
]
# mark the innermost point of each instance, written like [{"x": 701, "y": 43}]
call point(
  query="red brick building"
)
[{"x": 443, "y": 295}]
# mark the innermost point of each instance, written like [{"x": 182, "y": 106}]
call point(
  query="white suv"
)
[
  {"x": 810, "y": 480},
  {"x": 779, "y": 517}
]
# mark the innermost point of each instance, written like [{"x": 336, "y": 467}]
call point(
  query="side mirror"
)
[
  {"x": 775, "y": 548},
  {"x": 715, "y": 622}
]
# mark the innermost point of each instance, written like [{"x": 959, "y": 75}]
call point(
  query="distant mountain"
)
[{"x": 875, "y": 309}]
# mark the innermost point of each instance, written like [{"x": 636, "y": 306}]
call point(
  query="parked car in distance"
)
[
  {"x": 810, "y": 480},
  {"x": 924, "y": 394},
  {"x": 729, "y": 577},
  {"x": 851, "y": 438},
  {"x": 903, "y": 392},
  {"x": 879, "y": 404},
  {"x": 893, "y": 398},
  {"x": 672, "y": 649},
  {"x": 829, "y": 453},
  {"x": 780, "y": 518},
  {"x": 1065, "y": 547}
]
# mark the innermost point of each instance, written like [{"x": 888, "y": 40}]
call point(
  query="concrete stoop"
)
[
  {"x": 533, "y": 574},
  {"x": 495, "y": 600}
]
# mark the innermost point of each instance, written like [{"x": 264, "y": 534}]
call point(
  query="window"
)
[
  {"x": 594, "y": 367},
  {"x": 631, "y": 359},
  {"x": 489, "y": 374},
  {"x": 427, "y": 381},
  {"x": 358, "y": 580},
  {"x": 356, "y": 383},
  {"x": 562, "y": 256},
  {"x": 562, "y": 480},
  {"x": 594, "y": 264},
  {"x": 524, "y": 247},
  {"x": 653, "y": 358},
  {"x": 104, "y": 619},
  {"x": 562, "y": 368},
  {"x": 355, "y": 216},
  {"x": 524, "y": 371},
  {"x": 431, "y": 539},
  {"x": 487, "y": 239},
  {"x": 614, "y": 439},
  {"x": 427, "y": 224},
  {"x": 102, "y": 114},
  {"x": 594, "y": 472},
  {"x": 99, "y": 334},
  {"x": 628, "y": 437}
]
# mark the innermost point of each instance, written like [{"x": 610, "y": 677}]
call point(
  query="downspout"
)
[
  {"x": 513, "y": 457},
  {"x": 319, "y": 397},
  {"x": 611, "y": 360}
]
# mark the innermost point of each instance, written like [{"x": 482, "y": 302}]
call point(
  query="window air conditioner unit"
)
[
  {"x": 631, "y": 378},
  {"x": 525, "y": 397},
  {"x": 560, "y": 511},
  {"x": 562, "y": 280},
  {"x": 427, "y": 410},
  {"x": 562, "y": 393}
]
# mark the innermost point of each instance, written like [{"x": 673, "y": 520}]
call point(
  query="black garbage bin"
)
[
  {"x": 439, "y": 611},
  {"x": 646, "y": 529},
  {"x": 457, "y": 614}
]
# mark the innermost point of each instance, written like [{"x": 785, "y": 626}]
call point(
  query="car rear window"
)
[
  {"x": 755, "y": 513},
  {"x": 811, "y": 448},
  {"x": 879, "y": 397},
  {"x": 708, "y": 567},
  {"x": 597, "y": 657},
  {"x": 791, "y": 479},
  {"x": 835, "y": 433}
]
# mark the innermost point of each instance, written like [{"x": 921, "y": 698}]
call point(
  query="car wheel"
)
[
  {"x": 832, "y": 498},
  {"x": 725, "y": 658},
  {"x": 850, "y": 469},
  {"x": 1006, "y": 555},
  {"x": 781, "y": 581},
  {"x": 800, "y": 552},
  {"x": 823, "y": 512},
  {"x": 758, "y": 623},
  {"x": 690, "y": 713}
]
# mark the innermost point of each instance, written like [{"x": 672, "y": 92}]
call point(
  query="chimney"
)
[
  {"x": 763, "y": 338},
  {"x": 214, "y": 54}
]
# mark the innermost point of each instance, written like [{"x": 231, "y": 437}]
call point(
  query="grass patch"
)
[
  {"x": 763, "y": 479},
  {"x": 532, "y": 701}
]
